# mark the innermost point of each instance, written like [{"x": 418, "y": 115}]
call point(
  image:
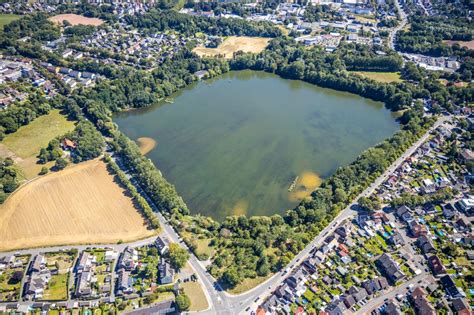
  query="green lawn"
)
[
  {"x": 57, "y": 288},
  {"x": 196, "y": 295},
  {"x": 384, "y": 77},
  {"x": 309, "y": 295},
  {"x": 7, "y": 19},
  {"x": 27, "y": 141},
  {"x": 248, "y": 284}
]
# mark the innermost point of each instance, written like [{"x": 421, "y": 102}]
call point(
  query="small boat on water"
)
[
  {"x": 169, "y": 100},
  {"x": 293, "y": 184}
]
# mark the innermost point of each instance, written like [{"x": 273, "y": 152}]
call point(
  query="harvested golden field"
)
[
  {"x": 467, "y": 44},
  {"x": 233, "y": 44},
  {"x": 79, "y": 205},
  {"x": 75, "y": 19}
]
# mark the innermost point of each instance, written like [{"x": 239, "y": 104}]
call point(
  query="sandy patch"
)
[
  {"x": 146, "y": 144},
  {"x": 233, "y": 44},
  {"x": 79, "y": 205},
  {"x": 75, "y": 19},
  {"x": 467, "y": 44},
  {"x": 240, "y": 208},
  {"x": 307, "y": 183}
]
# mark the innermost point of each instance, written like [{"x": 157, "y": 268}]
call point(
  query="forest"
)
[
  {"x": 158, "y": 20},
  {"x": 426, "y": 33}
]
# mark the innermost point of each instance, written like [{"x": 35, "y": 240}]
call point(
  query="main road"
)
[
  {"x": 261, "y": 292},
  {"x": 393, "y": 33},
  {"x": 219, "y": 301}
]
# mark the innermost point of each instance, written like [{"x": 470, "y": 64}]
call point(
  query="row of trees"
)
[
  {"x": 8, "y": 178},
  {"x": 142, "y": 204}
]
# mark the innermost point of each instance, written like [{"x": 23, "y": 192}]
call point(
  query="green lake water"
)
[{"x": 235, "y": 144}]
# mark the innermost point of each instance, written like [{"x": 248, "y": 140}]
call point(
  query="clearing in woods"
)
[
  {"x": 383, "y": 77},
  {"x": 24, "y": 145},
  {"x": 7, "y": 19},
  {"x": 79, "y": 205},
  {"x": 75, "y": 19},
  {"x": 463, "y": 43},
  {"x": 233, "y": 44}
]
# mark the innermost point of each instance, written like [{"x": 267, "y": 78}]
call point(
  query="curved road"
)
[{"x": 221, "y": 302}]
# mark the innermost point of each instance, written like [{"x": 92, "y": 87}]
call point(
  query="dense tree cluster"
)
[
  {"x": 426, "y": 36},
  {"x": 178, "y": 256},
  {"x": 290, "y": 60},
  {"x": 8, "y": 178},
  {"x": 36, "y": 105},
  {"x": 139, "y": 200},
  {"x": 89, "y": 142},
  {"x": 157, "y": 20},
  {"x": 36, "y": 26}
]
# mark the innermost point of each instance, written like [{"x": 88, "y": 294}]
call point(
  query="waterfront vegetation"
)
[
  {"x": 220, "y": 122},
  {"x": 251, "y": 247}
]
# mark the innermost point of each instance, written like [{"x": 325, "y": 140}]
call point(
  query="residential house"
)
[
  {"x": 67, "y": 53},
  {"x": 450, "y": 287},
  {"x": 161, "y": 308},
  {"x": 336, "y": 307},
  {"x": 83, "y": 284},
  {"x": 404, "y": 213},
  {"x": 421, "y": 303},
  {"x": 161, "y": 244},
  {"x": 125, "y": 282},
  {"x": 392, "y": 308},
  {"x": 361, "y": 295},
  {"x": 396, "y": 239},
  {"x": 34, "y": 287},
  {"x": 425, "y": 244},
  {"x": 110, "y": 255},
  {"x": 128, "y": 259},
  {"x": 436, "y": 265},
  {"x": 390, "y": 268},
  {"x": 166, "y": 273},
  {"x": 84, "y": 262},
  {"x": 39, "y": 263},
  {"x": 417, "y": 229},
  {"x": 461, "y": 307}
]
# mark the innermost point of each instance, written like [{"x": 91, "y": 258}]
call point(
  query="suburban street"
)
[
  {"x": 265, "y": 289},
  {"x": 423, "y": 279},
  {"x": 403, "y": 22}
]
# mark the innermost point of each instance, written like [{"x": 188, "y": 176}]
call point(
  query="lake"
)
[{"x": 253, "y": 143}]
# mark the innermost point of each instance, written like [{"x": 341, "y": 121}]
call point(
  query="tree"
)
[
  {"x": 16, "y": 277},
  {"x": 231, "y": 277},
  {"x": 44, "y": 170},
  {"x": 60, "y": 164},
  {"x": 178, "y": 256},
  {"x": 183, "y": 302}
]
